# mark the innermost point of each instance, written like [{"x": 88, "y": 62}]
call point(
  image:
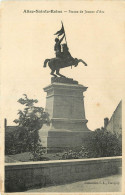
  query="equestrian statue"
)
[{"x": 63, "y": 57}]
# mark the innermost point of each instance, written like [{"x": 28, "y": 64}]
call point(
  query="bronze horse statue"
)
[{"x": 56, "y": 63}]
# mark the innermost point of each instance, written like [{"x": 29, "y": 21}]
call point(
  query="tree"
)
[{"x": 30, "y": 120}]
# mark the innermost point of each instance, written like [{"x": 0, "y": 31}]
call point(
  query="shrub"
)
[
  {"x": 75, "y": 153},
  {"x": 100, "y": 143},
  {"x": 103, "y": 144}
]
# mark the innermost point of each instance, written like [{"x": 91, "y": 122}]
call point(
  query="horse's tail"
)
[{"x": 45, "y": 62}]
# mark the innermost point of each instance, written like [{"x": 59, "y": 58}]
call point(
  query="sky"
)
[{"x": 28, "y": 39}]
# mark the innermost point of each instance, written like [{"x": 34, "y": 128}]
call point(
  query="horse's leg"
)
[
  {"x": 52, "y": 73},
  {"x": 57, "y": 72}
]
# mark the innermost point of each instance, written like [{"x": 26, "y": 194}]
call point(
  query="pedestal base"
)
[
  {"x": 56, "y": 141},
  {"x": 65, "y": 105}
]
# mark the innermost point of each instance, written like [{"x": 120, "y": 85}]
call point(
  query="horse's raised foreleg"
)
[
  {"x": 52, "y": 73},
  {"x": 57, "y": 72}
]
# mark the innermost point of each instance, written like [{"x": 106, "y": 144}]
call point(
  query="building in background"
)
[{"x": 114, "y": 125}]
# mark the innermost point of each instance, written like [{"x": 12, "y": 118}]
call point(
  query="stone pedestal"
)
[{"x": 65, "y": 105}]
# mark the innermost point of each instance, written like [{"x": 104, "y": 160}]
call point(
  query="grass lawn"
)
[{"x": 27, "y": 156}]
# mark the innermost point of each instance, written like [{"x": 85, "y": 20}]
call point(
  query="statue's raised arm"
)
[{"x": 62, "y": 38}]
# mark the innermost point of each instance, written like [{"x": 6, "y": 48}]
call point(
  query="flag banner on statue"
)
[{"x": 60, "y": 32}]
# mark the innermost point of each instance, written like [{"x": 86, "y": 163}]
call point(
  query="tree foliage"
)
[{"x": 30, "y": 120}]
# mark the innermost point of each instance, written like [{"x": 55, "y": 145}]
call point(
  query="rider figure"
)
[{"x": 57, "y": 47}]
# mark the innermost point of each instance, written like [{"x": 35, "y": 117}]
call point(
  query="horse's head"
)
[{"x": 80, "y": 60}]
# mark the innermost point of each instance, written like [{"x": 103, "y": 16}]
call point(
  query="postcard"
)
[{"x": 62, "y": 91}]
